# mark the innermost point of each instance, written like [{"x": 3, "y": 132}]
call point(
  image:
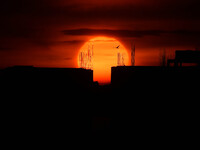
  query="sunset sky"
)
[{"x": 50, "y": 33}]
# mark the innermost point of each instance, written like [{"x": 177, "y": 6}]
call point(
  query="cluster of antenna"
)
[
  {"x": 120, "y": 59},
  {"x": 86, "y": 58},
  {"x": 132, "y": 54},
  {"x": 120, "y": 56},
  {"x": 163, "y": 58}
]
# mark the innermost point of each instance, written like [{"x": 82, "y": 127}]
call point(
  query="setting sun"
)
[{"x": 105, "y": 55}]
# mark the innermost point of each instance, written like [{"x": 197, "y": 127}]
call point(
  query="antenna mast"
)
[
  {"x": 90, "y": 56},
  {"x": 86, "y": 58},
  {"x": 82, "y": 60},
  {"x": 118, "y": 59},
  {"x": 163, "y": 57},
  {"x": 132, "y": 54}
]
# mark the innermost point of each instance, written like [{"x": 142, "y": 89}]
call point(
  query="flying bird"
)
[{"x": 117, "y": 47}]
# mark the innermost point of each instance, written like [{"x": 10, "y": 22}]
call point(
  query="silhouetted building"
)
[
  {"x": 47, "y": 79},
  {"x": 155, "y": 78},
  {"x": 185, "y": 56},
  {"x": 54, "y": 103}
]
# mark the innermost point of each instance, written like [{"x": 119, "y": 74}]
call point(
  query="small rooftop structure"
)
[{"x": 185, "y": 56}]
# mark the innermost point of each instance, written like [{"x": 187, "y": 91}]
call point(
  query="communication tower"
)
[
  {"x": 120, "y": 58},
  {"x": 86, "y": 58},
  {"x": 132, "y": 54},
  {"x": 81, "y": 60},
  {"x": 90, "y": 56},
  {"x": 163, "y": 57}
]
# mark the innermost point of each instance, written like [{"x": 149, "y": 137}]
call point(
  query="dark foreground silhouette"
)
[{"x": 151, "y": 107}]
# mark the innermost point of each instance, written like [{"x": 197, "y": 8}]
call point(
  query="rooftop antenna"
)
[
  {"x": 118, "y": 59},
  {"x": 82, "y": 60},
  {"x": 133, "y": 54},
  {"x": 90, "y": 56},
  {"x": 163, "y": 57},
  {"x": 86, "y": 57},
  {"x": 122, "y": 60},
  {"x": 118, "y": 56}
]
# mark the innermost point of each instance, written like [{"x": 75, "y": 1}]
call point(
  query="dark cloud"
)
[
  {"x": 56, "y": 12},
  {"x": 108, "y": 32},
  {"x": 74, "y": 41},
  {"x": 27, "y": 19},
  {"x": 104, "y": 40},
  {"x": 128, "y": 33}
]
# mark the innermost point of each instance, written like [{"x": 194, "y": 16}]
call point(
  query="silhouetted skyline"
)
[
  {"x": 46, "y": 99},
  {"x": 147, "y": 103}
]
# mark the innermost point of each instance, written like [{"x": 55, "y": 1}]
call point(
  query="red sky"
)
[{"x": 49, "y": 33}]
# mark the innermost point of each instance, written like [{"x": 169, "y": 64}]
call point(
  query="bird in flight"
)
[{"x": 117, "y": 47}]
